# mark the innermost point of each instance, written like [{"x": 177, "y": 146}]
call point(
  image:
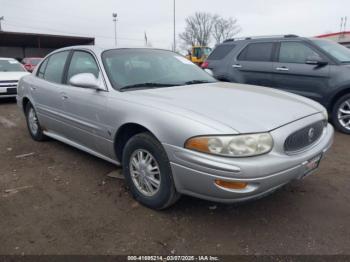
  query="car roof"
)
[
  {"x": 99, "y": 49},
  {"x": 263, "y": 39}
]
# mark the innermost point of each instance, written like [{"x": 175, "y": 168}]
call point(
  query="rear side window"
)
[
  {"x": 55, "y": 67},
  {"x": 296, "y": 52},
  {"x": 42, "y": 68},
  {"x": 221, "y": 52},
  {"x": 257, "y": 52}
]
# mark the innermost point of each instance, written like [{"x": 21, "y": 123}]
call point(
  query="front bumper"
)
[
  {"x": 8, "y": 91},
  {"x": 195, "y": 173}
]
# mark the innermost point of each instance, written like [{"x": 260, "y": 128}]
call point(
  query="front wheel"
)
[
  {"x": 147, "y": 171},
  {"x": 33, "y": 124},
  {"x": 341, "y": 114}
]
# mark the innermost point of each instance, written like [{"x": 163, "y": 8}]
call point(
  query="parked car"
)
[
  {"x": 10, "y": 72},
  {"x": 315, "y": 68},
  {"x": 31, "y": 62},
  {"x": 174, "y": 128}
]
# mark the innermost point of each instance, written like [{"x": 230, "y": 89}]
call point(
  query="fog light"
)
[{"x": 230, "y": 184}]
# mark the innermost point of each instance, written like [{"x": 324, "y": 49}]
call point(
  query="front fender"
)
[{"x": 168, "y": 127}]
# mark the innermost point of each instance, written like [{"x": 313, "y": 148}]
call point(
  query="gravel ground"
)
[{"x": 59, "y": 200}]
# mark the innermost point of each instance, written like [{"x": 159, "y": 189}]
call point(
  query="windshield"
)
[
  {"x": 336, "y": 50},
  {"x": 151, "y": 69},
  {"x": 201, "y": 52},
  {"x": 10, "y": 66},
  {"x": 207, "y": 51}
]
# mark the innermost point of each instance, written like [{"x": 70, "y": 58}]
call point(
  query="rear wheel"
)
[
  {"x": 341, "y": 114},
  {"x": 147, "y": 171},
  {"x": 33, "y": 124}
]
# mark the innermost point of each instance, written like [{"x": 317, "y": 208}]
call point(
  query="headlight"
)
[{"x": 234, "y": 146}]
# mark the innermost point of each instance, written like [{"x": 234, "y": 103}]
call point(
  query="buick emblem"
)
[{"x": 311, "y": 134}]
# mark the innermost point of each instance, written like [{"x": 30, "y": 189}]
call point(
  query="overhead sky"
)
[{"x": 155, "y": 17}]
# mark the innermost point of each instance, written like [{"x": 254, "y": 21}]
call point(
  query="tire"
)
[
  {"x": 343, "y": 125},
  {"x": 138, "y": 149},
  {"x": 35, "y": 133}
]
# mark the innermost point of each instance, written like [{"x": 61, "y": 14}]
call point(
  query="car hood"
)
[
  {"x": 244, "y": 108},
  {"x": 10, "y": 76}
]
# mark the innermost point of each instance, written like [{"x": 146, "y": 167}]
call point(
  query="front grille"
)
[
  {"x": 304, "y": 137},
  {"x": 8, "y": 81}
]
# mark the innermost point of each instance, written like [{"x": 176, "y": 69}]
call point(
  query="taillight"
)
[{"x": 205, "y": 65}]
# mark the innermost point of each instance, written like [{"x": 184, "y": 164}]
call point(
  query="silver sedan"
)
[{"x": 174, "y": 128}]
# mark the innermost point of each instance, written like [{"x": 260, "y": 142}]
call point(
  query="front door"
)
[
  {"x": 292, "y": 74},
  {"x": 85, "y": 108}
]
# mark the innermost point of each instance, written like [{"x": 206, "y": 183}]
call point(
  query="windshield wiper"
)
[
  {"x": 194, "y": 82},
  {"x": 147, "y": 85}
]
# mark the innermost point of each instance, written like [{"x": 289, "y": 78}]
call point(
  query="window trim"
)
[
  {"x": 258, "y": 42},
  {"x": 41, "y": 65},
  {"x": 278, "y": 51},
  {"x": 48, "y": 60},
  {"x": 66, "y": 66},
  {"x": 232, "y": 46},
  {"x": 69, "y": 59}
]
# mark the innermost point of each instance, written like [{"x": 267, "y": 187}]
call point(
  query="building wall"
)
[
  {"x": 14, "y": 52},
  {"x": 19, "y": 45},
  {"x": 341, "y": 38},
  {"x": 21, "y": 52},
  {"x": 37, "y": 52}
]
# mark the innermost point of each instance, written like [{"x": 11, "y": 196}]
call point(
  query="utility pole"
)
[
  {"x": 146, "y": 39},
  {"x": 174, "y": 45},
  {"x": 115, "y": 27},
  {"x": 341, "y": 24},
  {"x": 1, "y": 18},
  {"x": 345, "y": 20}
]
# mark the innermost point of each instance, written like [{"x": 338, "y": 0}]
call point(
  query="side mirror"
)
[
  {"x": 86, "y": 80},
  {"x": 317, "y": 61},
  {"x": 210, "y": 72}
]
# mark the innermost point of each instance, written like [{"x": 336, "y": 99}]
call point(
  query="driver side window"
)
[
  {"x": 296, "y": 52},
  {"x": 82, "y": 62}
]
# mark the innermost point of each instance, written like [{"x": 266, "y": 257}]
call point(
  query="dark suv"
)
[{"x": 316, "y": 68}]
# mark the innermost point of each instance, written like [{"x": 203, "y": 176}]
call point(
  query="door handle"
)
[
  {"x": 33, "y": 88},
  {"x": 64, "y": 97},
  {"x": 237, "y": 66},
  {"x": 283, "y": 68}
]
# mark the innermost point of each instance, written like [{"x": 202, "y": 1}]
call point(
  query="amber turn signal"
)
[
  {"x": 198, "y": 144},
  {"x": 231, "y": 184}
]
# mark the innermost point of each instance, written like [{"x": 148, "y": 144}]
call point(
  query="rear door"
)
[
  {"x": 291, "y": 73},
  {"x": 46, "y": 91},
  {"x": 253, "y": 65},
  {"x": 85, "y": 108}
]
